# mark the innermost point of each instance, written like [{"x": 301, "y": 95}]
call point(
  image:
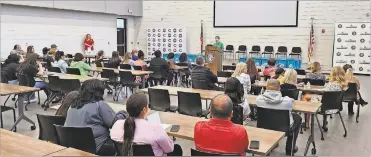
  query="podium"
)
[{"x": 213, "y": 58}]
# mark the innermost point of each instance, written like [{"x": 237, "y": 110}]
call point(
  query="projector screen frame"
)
[{"x": 296, "y": 25}]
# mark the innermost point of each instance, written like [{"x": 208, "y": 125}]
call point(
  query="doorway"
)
[{"x": 121, "y": 36}]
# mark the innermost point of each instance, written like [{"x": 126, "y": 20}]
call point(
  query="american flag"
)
[
  {"x": 311, "y": 41},
  {"x": 202, "y": 36}
]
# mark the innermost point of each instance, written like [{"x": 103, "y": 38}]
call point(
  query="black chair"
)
[
  {"x": 237, "y": 115},
  {"x": 229, "y": 67},
  {"x": 69, "y": 56},
  {"x": 295, "y": 51},
  {"x": 55, "y": 88},
  {"x": 69, "y": 85},
  {"x": 157, "y": 75},
  {"x": 315, "y": 82},
  {"x": 201, "y": 153},
  {"x": 4, "y": 109},
  {"x": 142, "y": 150},
  {"x": 126, "y": 80},
  {"x": 73, "y": 71},
  {"x": 118, "y": 147},
  {"x": 300, "y": 72},
  {"x": 268, "y": 50},
  {"x": 255, "y": 51},
  {"x": 229, "y": 49},
  {"x": 224, "y": 74},
  {"x": 350, "y": 96},
  {"x": 55, "y": 69},
  {"x": 242, "y": 49},
  {"x": 46, "y": 126},
  {"x": 112, "y": 79},
  {"x": 81, "y": 138},
  {"x": 24, "y": 81},
  {"x": 199, "y": 84},
  {"x": 331, "y": 101},
  {"x": 190, "y": 104},
  {"x": 137, "y": 67},
  {"x": 98, "y": 64},
  {"x": 282, "y": 51},
  {"x": 271, "y": 119},
  {"x": 159, "y": 100},
  {"x": 292, "y": 93},
  {"x": 125, "y": 66}
]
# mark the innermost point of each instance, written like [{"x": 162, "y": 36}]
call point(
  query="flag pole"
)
[
  {"x": 202, "y": 36},
  {"x": 311, "y": 42}
]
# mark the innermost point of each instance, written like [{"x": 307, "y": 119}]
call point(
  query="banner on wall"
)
[
  {"x": 352, "y": 45},
  {"x": 166, "y": 40}
]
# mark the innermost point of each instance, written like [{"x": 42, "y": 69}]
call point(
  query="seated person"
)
[
  {"x": 185, "y": 72},
  {"x": 140, "y": 60},
  {"x": 315, "y": 73},
  {"x": 234, "y": 89},
  {"x": 9, "y": 69},
  {"x": 59, "y": 62},
  {"x": 272, "y": 99},
  {"x": 202, "y": 73},
  {"x": 78, "y": 62},
  {"x": 69, "y": 99},
  {"x": 171, "y": 62},
  {"x": 352, "y": 79},
  {"x": 53, "y": 49},
  {"x": 99, "y": 58},
  {"x": 134, "y": 57},
  {"x": 271, "y": 67},
  {"x": 240, "y": 74},
  {"x": 90, "y": 110},
  {"x": 278, "y": 75},
  {"x": 219, "y": 134},
  {"x": 136, "y": 129},
  {"x": 158, "y": 62},
  {"x": 114, "y": 61},
  {"x": 127, "y": 59},
  {"x": 289, "y": 79}
]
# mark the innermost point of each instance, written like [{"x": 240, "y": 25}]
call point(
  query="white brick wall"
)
[{"x": 190, "y": 13}]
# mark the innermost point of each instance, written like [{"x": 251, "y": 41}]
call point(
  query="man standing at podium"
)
[{"x": 218, "y": 43}]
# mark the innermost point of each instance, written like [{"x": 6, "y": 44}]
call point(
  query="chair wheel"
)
[
  {"x": 345, "y": 135},
  {"x": 314, "y": 151},
  {"x": 33, "y": 127},
  {"x": 322, "y": 138},
  {"x": 42, "y": 105},
  {"x": 13, "y": 99},
  {"x": 325, "y": 129}
]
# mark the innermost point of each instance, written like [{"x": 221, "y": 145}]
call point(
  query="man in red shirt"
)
[
  {"x": 219, "y": 134},
  {"x": 271, "y": 67}
]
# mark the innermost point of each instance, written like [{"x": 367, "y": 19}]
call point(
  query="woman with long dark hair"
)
[
  {"x": 235, "y": 90},
  {"x": 90, "y": 110},
  {"x": 59, "y": 62},
  {"x": 9, "y": 69},
  {"x": 115, "y": 60},
  {"x": 99, "y": 58},
  {"x": 136, "y": 129},
  {"x": 252, "y": 70}
]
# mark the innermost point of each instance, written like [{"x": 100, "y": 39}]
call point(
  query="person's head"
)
[
  {"x": 217, "y": 38},
  {"x": 87, "y": 36},
  {"x": 137, "y": 107},
  {"x": 31, "y": 60},
  {"x": 100, "y": 53},
  {"x": 183, "y": 57},
  {"x": 78, "y": 57},
  {"x": 251, "y": 67},
  {"x": 30, "y": 49},
  {"x": 91, "y": 91},
  {"x": 234, "y": 89},
  {"x": 158, "y": 54},
  {"x": 348, "y": 69},
  {"x": 12, "y": 58},
  {"x": 140, "y": 55},
  {"x": 134, "y": 51},
  {"x": 273, "y": 84},
  {"x": 16, "y": 47},
  {"x": 279, "y": 72},
  {"x": 272, "y": 62},
  {"x": 171, "y": 55},
  {"x": 221, "y": 107},
  {"x": 53, "y": 46},
  {"x": 240, "y": 69},
  {"x": 115, "y": 54},
  {"x": 70, "y": 99},
  {"x": 290, "y": 76},
  {"x": 45, "y": 50},
  {"x": 315, "y": 67},
  {"x": 337, "y": 74},
  {"x": 59, "y": 55},
  {"x": 127, "y": 57},
  {"x": 200, "y": 61}
]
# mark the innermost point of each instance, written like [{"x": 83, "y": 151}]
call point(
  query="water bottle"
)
[{"x": 308, "y": 85}]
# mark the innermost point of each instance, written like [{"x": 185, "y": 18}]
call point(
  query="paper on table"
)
[{"x": 155, "y": 118}]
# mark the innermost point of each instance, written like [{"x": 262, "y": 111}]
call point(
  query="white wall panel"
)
[{"x": 81, "y": 5}]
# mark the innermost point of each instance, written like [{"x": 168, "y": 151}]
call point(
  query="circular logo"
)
[
  {"x": 154, "y": 49},
  {"x": 164, "y": 45},
  {"x": 360, "y": 69},
  {"x": 149, "y": 35},
  {"x": 180, "y": 50},
  {"x": 180, "y": 30},
  {"x": 180, "y": 45},
  {"x": 149, "y": 44},
  {"x": 174, "y": 30},
  {"x": 180, "y": 40},
  {"x": 153, "y": 35},
  {"x": 363, "y": 26},
  {"x": 149, "y": 39},
  {"x": 209, "y": 57},
  {"x": 340, "y": 26},
  {"x": 158, "y": 35},
  {"x": 168, "y": 45},
  {"x": 169, "y": 40},
  {"x": 158, "y": 30},
  {"x": 353, "y": 47},
  {"x": 154, "y": 40},
  {"x": 180, "y": 35},
  {"x": 164, "y": 40},
  {"x": 339, "y": 40},
  {"x": 153, "y": 30},
  {"x": 362, "y": 40},
  {"x": 174, "y": 40},
  {"x": 354, "y": 33},
  {"x": 164, "y": 30},
  {"x": 168, "y": 50},
  {"x": 174, "y": 35},
  {"x": 149, "y": 49},
  {"x": 159, "y": 40},
  {"x": 174, "y": 50},
  {"x": 361, "y": 54},
  {"x": 164, "y": 35},
  {"x": 158, "y": 44},
  {"x": 148, "y": 30},
  {"x": 352, "y": 61},
  {"x": 164, "y": 49},
  {"x": 174, "y": 45},
  {"x": 169, "y": 35},
  {"x": 154, "y": 44},
  {"x": 338, "y": 54},
  {"x": 169, "y": 30}
]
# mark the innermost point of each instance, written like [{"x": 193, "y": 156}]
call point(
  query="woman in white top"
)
[
  {"x": 240, "y": 74},
  {"x": 234, "y": 89}
]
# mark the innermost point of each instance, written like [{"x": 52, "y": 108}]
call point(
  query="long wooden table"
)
[
  {"x": 8, "y": 89},
  {"x": 134, "y": 72},
  {"x": 70, "y": 76},
  {"x": 268, "y": 138},
  {"x": 299, "y": 106},
  {"x": 71, "y": 152}
]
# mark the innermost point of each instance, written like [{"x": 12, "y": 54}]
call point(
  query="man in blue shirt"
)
[{"x": 134, "y": 57}]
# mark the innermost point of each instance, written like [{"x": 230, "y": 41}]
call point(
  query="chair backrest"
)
[
  {"x": 81, "y": 138},
  {"x": 69, "y": 85},
  {"x": 282, "y": 49},
  {"x": 55, "y": 69},
  {"x": 69, "y": 56},
  {"x": 255, "y": 48},
  {"x": 142, "y": 150},
  {"x": 23, "y": 80},
  {"x": 300, "y": 71},
  {"x": 118, "y": 147},
  {"x": 224, "y": 74},
  {"x": 46, "y": 126},
  {"x": 110, "y": 74},
  {"x": 229, "y": 67},
  {"x": 137, "y": 67},
  {"x": 125, "y": 66},
  {"x": 157, "y": 71},
  {"x": 199, "y": 84},
  {"x": 332, "y": 100},
  {"x": 316, "y": 82},
  {"x": 73, "y": 71},
  {"x": 110, "y": 65},
  {"x": 237, "y": 114},
  {"x": 189, "y": 104},
  {"x": 98, "y": 64},
  {"x": 296, "y": 50},
  {"x": 268, "y": 49},
  {"x": 229, "y": 48},
  {"x": 201, "y": 153},
  {"x": 278, "y": 120},
  {"x": 292, "y": 93},
  {"x": 159, "y": 99},
  {"x": 181, "y": 64},
  {"x": 351, "y": 93},
  {"x": 242, "y": 48},
  {"x": 126, "y": 77},
  {"x": 54, "y": 83}
]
